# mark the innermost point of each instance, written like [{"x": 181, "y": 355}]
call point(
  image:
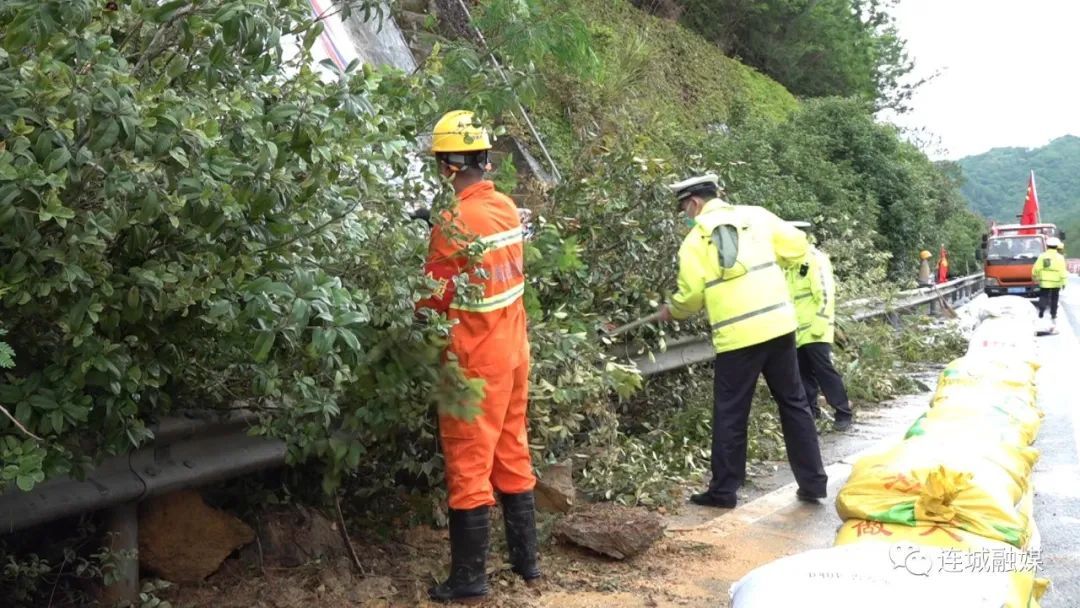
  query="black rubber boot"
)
[
  {"x": 469, "y": 537},
  {"x": 519, "y": 514}
]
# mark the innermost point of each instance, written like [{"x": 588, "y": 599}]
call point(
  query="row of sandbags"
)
[{"x": 943, "y": 517}]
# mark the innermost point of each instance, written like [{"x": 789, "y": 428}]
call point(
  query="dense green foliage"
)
[
  {"x": 996, "y": 182},
  {"x": 195, "y": 219},
  {"x": 186, "y": 224},
  {"x": 815, "y": 48}
]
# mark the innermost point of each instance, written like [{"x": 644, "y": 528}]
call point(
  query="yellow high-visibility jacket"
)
[
  {"x": 731, "y": 263},
  {"x": 814, "y": 294},
  {"x": 1050, "y": 270}
]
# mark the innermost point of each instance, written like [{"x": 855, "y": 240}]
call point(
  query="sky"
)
[{"x": 1008, "y": 72}]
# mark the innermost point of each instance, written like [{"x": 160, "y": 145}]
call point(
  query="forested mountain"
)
[{"x": 996, "y": 181}]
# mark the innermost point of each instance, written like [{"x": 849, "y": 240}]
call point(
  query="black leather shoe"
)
[
  {"x": 805, "y": 496},
  {"x": 519, "y": 516},
  {"x": 841, "y": 424},
  {"x": 469, "y": 538},
  {"x": 711, "y": 500}
]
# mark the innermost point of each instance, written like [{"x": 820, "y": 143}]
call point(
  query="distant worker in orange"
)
[
  {"x": 943, "y": 266},
  {"x": 491, "y": 452}
]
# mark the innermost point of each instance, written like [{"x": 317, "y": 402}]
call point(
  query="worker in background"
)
[
  {"x": 730, "y": 265},
  {"x": 1051, "y": 273},
  {"x": 925, "y": 279},
  {"x": 943, "y": 266},
  {"x": 489, "y": 340},
  {"x": 813, "y": 290}
]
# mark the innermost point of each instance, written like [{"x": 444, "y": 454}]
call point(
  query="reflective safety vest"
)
[
  {"x": 812, "y": 288},
  {"x": 1050, "y": 270},
  {"x": 731, "y": 264},
  {"x": 490, "y": 330}
]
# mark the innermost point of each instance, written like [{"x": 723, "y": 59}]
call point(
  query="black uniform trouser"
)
[
  {"x": 735, "y": 376},
  {"x": 1048, "y": 297},
  {"x": 818, "y": 373}
]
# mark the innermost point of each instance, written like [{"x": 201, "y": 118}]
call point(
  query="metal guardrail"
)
[
  {"x": 689, "y": 350},
  {"x": 190, "y": 450}
]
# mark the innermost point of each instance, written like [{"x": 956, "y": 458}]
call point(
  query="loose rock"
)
[
  {"x": 612, "y": 530},
  {"x": 184, "y": 540},
  {"x": 294, "y": 536},
  {"x": 555, "y": 489}
]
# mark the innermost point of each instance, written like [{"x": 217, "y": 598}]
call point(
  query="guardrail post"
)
[
  {"x": 933, "y": 308},
  {"x": 122, "y": 525}
]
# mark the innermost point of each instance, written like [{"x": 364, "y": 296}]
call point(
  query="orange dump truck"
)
[{"x": 1008, "y": 254}]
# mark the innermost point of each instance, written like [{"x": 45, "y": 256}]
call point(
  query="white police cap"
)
[{"x": 692, "y": 186}]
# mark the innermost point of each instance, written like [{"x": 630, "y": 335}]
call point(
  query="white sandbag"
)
[
  {"x": 882, "y": 575},
  {"x": 1004, "y": 339},
  {"x": 1004, "y": 307}
]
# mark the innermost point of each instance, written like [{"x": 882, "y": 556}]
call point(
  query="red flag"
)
[
  {"x": 943, "y": 266},
  {"x": 1030, "y": 214}
]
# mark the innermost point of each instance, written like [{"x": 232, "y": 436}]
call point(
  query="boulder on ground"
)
[
  {"x": 184, "y": 540},
  {"x": 612, "y": 530}
]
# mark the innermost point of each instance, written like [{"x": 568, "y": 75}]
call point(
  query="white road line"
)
[{"x": 780, "y": 498}]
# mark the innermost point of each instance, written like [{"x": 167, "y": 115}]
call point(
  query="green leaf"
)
[
  {"x": 180, "y": 156},
  {"x": 167, "y": 11},
  {"x": 263, "y": 343},
  {"x": 57, "y": 159},
  {"x": 25, "y": 482},
  {"x": 42, "y": 402},
  {"x": 350, "y": 339}
]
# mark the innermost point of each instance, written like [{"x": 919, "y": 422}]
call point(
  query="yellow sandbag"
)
[
  {"x": 1025, "y": 420},
  {"x": 1016, "y": 461},
  {"x": 1041, "y": 585},
  {"x": 923, "y": 479},
  {"x": 986, "y": 428},
  {"x": 1024, "y": 426},
  {"x": 964, "y": 555},
  {"x": 986, "y": 393},
  {"x": 980, "y": 370}
]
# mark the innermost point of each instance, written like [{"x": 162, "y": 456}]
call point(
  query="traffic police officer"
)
[
  {"x": 731, "y": 265},
  {"x": 1051, "y": 271},
  {"x": 813, "y": 290}
]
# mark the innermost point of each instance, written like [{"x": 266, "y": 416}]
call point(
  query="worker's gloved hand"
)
[{"x": 664, "y": 314}]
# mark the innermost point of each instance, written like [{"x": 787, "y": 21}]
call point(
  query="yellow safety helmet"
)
[
  {"x": 457, "y": 132},
  {"x": 925, "y": 255}
]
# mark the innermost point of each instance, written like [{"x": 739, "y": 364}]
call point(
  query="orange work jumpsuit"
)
[{"x": 490, "y": 342}]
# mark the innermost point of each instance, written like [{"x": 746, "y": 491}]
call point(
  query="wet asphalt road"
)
[{"x": 1057, "y": 476}]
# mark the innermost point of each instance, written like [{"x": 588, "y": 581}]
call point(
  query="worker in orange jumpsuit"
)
[{"x": 489, "y": 340}]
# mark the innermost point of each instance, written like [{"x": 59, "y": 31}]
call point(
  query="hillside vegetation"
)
[
  {"x": 996, "y": 182},
  {"x": 813, "y": 47}
]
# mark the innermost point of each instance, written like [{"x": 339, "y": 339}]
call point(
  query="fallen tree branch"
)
[
  {"x": 345, "y": 538},
  {"x": 15, "y": 420}
]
